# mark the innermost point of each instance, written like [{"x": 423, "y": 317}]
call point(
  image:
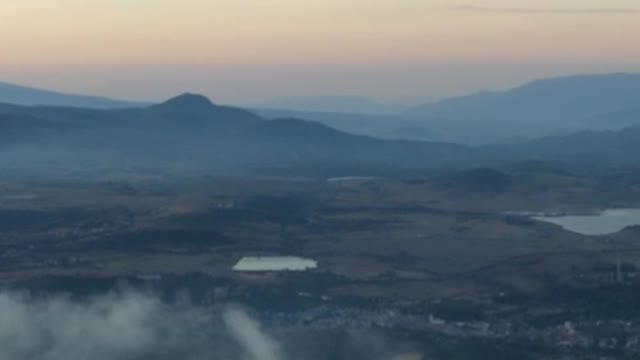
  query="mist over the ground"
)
[
  {"x": 115, "y": 326},
  {"x": 134, "y": 325}
]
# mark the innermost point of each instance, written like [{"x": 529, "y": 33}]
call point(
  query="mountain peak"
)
[{"x": 188, "y": 101}]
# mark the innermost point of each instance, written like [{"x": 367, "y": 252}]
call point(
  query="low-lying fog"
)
[
  {"x": 137, "y": 326},
  {"x": 115, "y": 326}
]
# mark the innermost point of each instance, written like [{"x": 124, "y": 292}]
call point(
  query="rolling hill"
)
[{"x": 588, "y": 148}]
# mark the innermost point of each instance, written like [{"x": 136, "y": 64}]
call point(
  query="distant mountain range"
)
[
  {"x": 565, "y": 98},
  {"x": 22, "y": 95},
  {"x": 540, "y": 108},
  {"x": 189, "y": 134},
  {"x": 346, "y": 104}
]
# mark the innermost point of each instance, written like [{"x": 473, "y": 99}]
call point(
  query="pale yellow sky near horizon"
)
[{"x": 41, "y": 34}]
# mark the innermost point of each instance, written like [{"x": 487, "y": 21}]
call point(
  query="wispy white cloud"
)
[{"x": 524, "y": 10}]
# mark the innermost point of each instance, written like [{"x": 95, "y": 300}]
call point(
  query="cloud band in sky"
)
[{"x": 519, "y": 10}]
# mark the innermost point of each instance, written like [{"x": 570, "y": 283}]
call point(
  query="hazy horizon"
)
[{"x": 252, "y": 52}]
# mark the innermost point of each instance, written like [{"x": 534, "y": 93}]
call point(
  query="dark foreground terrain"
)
[{"x": 426, "y": 266}]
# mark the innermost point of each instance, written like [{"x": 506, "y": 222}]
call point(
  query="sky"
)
[{"x": 253, "y": 51}]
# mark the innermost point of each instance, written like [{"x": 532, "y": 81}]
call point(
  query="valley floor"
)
[{"x": 422, "y": 257}]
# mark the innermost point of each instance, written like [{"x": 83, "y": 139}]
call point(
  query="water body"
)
[
  {"x": 607, "y": 222},
  {"x": 274, "y": 263}
]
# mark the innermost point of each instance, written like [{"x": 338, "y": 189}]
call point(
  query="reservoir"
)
[
  {"x": 274, "y": 263},
  {"x": 607, "y": 222}
]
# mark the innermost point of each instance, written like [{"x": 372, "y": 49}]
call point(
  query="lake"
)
[
  {"x": 607, "y": 222},
  {"x": 274, "y": 263}
]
